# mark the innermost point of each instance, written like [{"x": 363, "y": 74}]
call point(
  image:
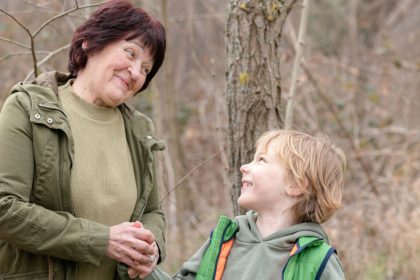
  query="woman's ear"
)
[{"x": 84, "y": 45}]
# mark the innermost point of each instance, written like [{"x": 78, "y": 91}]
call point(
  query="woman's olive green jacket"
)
[{"x": 40, "y": 237}]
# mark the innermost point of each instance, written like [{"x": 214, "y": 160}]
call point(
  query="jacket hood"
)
[
  {"x": 46, "y": 81},
  {"x": 249, "y": 233}
]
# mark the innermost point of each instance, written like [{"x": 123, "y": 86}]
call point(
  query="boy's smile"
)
[{"x": 245, "y": 185}]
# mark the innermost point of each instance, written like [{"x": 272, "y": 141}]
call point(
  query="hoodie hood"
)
[
  {"x": 283, "y": 239},
  {"x": 253, "y": 257}
]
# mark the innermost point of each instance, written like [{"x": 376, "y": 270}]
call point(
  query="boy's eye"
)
[
  {"x": 260, "y": 158},
  {"x": 264, "y": 158}
]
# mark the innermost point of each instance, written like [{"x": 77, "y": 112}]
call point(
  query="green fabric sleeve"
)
[
  {"x": 159, "y": 274},
  {"x": 153, "y": 219},
  {"x": 29, "y": 226},
  {"x": 188, "y": 270}
]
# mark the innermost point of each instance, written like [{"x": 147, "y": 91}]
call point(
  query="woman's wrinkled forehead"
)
[{"x": 141, "y": 40}]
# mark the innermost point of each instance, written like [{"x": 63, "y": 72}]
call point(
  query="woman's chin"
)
[{"x": 116, "y": 100}]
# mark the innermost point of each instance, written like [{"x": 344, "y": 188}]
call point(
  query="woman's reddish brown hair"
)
[{"x": 116, "y": 20}]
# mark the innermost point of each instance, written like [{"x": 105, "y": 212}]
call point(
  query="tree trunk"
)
[{"x": 253, "y": 34}]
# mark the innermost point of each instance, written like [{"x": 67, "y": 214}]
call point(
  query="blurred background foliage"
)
[{"x": 360, "y": 85}]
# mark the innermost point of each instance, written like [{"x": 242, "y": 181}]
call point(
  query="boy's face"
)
[{"x": 263, "y": 183}]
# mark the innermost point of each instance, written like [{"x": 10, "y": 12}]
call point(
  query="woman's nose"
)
[{"x": 135, "y": 69}]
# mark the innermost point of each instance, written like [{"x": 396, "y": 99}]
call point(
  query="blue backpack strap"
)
[{"x": 324, "y": 262}]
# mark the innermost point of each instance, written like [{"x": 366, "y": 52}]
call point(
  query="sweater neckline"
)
[{"x": 86, "y": 109}]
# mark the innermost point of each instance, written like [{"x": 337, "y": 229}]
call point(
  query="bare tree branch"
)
[
  {"x": 36, "y": 32},
  {"x": 17, "y": 21},
  {"x": 45, "y": 59},
  {"x": 288, "y": 120},
  {"x": 34, "y": 59},
  {"x": 336, "y": 115},
  {"x": 29, "y": 33},
  {"x": 64, "y": 14},
  {"x": 4, "y": 57},
  {"x": 9, "y": 55},
  {"x": 15, "y": 43},
  {"x": 193, "y": 222},
  {"x": 189, "y": 173},
  {"x": 402, "y": 7},
  {"x": 366, "y": 168}
]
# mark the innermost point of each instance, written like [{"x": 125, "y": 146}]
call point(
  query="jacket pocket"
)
[
  {"x": 36, "y": 275},
  {"x": 43, "y": 173}
]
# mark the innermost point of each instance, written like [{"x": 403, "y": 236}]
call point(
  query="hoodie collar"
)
[{"x": 248, "y": 232}]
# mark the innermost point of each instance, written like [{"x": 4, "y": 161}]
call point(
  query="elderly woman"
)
[{"x": 77, "y": 163}]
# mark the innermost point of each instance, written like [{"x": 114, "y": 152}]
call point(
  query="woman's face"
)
[{"x": 114, "y": 74}]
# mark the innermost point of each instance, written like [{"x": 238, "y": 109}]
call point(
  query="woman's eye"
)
[
  {"x": 130, "y": 52},
  {"x": 145, "y": 70}
]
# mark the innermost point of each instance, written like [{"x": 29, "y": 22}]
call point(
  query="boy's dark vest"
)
[{"x": 307, "y": 259}]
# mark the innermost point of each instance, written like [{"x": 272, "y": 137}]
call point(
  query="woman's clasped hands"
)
[{"x": 132, "y": 244}]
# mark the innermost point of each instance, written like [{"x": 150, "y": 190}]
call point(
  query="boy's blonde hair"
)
[{"x": 315, "y": 166}]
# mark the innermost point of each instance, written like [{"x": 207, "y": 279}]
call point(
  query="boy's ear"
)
[{"x": 294, "y": 190}]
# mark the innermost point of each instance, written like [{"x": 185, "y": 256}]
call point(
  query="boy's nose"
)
[{"x": 244, "y": 168}]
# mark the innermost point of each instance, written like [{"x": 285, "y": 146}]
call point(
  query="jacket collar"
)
[{"x": 46, "y": 108}]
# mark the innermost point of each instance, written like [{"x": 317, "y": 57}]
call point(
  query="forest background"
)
[{"x": 359, "y": 83}]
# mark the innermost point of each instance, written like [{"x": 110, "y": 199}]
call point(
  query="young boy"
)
[{"x": 292, "y": 186}]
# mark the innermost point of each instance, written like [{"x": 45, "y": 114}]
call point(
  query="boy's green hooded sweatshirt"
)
[{"x": 253, "y": 257}]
